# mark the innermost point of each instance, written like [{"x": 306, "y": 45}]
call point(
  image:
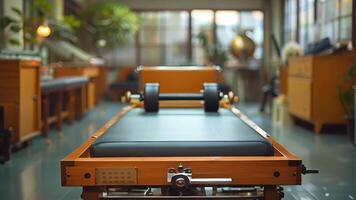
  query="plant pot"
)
[{"x": 350, "y": 126}]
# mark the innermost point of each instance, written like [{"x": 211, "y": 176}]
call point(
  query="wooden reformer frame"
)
[
  {"x": 284, "y": 168},
  {"x": 269, "y": 172}
]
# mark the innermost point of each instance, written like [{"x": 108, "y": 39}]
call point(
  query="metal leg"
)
[
  {"x": 317, "y": 127},
  {"x": 90, "y": 194},
  {"x": 78, "y": 104},
  {"x": 5, "y": 135},
  {"x": 264, "y": 101},
  {"x": 58, "y": 107},
  {"x": 45, "y": 115},
  {"x": 271, "y": 193},
  {"x": 71, "y": 106}
]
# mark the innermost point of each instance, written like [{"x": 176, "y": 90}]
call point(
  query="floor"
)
[{"x": 33, "y": 173}]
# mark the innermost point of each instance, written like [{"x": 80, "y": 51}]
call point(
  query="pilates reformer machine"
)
[{"x": 181, "y": 138}]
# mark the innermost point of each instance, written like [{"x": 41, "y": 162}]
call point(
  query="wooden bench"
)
[{"x": 67, "y": 97}]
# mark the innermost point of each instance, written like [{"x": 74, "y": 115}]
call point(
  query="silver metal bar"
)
[
  {"x": 210, "y": 180},
  {"x": 184, "y": 197}
]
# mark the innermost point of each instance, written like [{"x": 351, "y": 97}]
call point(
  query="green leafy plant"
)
[
  {"x": 41, "y": 11},
  {"x": 214, "y": 53},
  {"x": 14, "y": 25},
  {"x": 111, "y": 23},
  {"x": 346, "y": 95}
]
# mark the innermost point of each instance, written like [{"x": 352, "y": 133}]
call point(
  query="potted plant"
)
[
  {"x": 108, "y": 25},
  {"x": 346, "y": 95},
  {"x": 214, "y": 53}
]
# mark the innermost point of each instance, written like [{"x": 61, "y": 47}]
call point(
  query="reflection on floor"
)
[{"x": 33, "y": 173}]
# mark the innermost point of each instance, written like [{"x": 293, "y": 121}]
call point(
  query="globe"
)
[{"x": 242, "y": 47}]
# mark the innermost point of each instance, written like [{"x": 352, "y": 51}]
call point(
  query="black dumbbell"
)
[{"x": 151, "y": 97}]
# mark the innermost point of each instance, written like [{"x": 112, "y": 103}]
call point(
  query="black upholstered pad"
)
[
  {"x": 62, "y": 83},
  {"x": 52, "y": 85},
  {"x": 180, "y": 132},
  {"x": 75, "y": 81}
]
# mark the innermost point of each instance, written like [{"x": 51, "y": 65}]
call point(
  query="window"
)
[
  {"x": 202, "y": 22},
  {"x": 124, "y": 54},
  {"x": 171, "y": 37},
  {"x": 290, "y": 21},
  {"x": 163, "y": 38},
  {"x": 227, "y": 26},
  {"x": 345, "y": 20},
  {"x": 333, "y": 19},
  {"x": 328, "y": 13},
  {"x": 253, "y": 22},
  {"x": 306, "y": 22}
]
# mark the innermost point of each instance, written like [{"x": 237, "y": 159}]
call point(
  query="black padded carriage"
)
[{"x": 180, "y": 132}]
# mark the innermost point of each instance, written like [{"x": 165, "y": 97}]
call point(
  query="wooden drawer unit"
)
[
  {"x": 301, "y": 67},
  {"x": 313, "y": 83},
  {"x": 20, "y": 97},
  {"x": 300, "y": 98}
]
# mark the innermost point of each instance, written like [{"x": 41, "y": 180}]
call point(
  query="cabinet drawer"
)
[
  {"x": 30, "y": 98},
  {"x": 302, "y": 66},
  {"x": 299, "y": 97}
]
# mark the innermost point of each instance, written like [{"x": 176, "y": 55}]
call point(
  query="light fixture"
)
[{"x": 43, "y": 30}]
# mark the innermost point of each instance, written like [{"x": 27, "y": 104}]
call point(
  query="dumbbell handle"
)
[
  {"x": 178, "y": 96},
  {"x": 181, "y": 96}
]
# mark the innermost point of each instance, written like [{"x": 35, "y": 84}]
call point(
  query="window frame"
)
[{"x": 316, "y": 18}]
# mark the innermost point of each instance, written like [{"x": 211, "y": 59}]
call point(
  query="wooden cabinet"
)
[
  {"x": 313, "y": 87},
  {"x": 283, "y": 78},
  {"x": 20, "y": 98}
]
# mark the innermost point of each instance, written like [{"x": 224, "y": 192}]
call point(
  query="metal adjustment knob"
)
[{"x": 180, "y": 182}]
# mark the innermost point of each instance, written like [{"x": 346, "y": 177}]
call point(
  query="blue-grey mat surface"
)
[{"x": 180, "y": 132}]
